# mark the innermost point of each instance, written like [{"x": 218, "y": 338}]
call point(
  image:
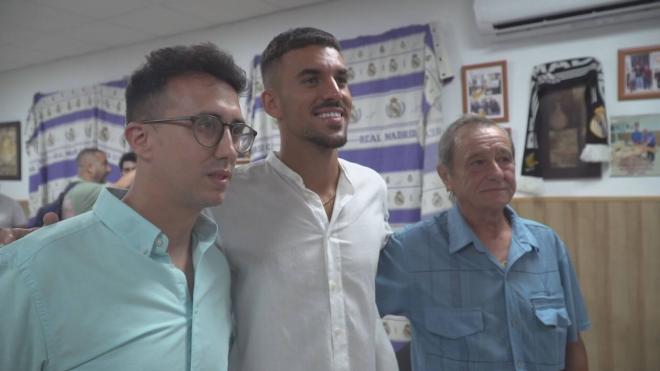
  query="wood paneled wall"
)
[{"x": 615, "y": 246}]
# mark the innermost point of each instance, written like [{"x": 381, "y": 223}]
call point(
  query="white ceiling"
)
[{"x": 39, "y": 31}]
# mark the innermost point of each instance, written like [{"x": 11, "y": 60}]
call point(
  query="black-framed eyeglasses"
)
[{"x": 208, "y": 130}]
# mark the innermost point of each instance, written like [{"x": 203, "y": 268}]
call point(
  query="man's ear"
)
[
  {"x": 443, "y": 172},
  {"x": 271, "y": 103},
  {"x": 139, "y": 139}
]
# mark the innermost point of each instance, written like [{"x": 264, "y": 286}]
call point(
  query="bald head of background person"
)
[
  {"x": 93, "y": 169},
  {"x": 93, "y": 165},
  {"x": 142, "y": 273}
]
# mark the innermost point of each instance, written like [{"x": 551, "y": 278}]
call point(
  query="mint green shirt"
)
[{"x": 99, "y": 292}]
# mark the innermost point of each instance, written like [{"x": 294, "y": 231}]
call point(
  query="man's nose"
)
[
  {"x": 332, "y": 90},
  {"x": 495, "y": 170},
  {"x": 225, "y": 147}
]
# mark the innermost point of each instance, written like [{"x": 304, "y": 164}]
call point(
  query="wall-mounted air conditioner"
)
[{"x": 520, "y": 18}]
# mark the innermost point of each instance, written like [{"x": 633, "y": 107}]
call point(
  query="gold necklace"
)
[{"x": 329, "y": 200}]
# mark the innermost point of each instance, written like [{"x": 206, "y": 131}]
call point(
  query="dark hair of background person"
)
[{"x": 128, "y": 156}]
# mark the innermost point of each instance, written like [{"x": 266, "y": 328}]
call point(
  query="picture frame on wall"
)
[
  {"x": 485, "y": 91},
  {"x": 10, "y": 151},
  {"x": 639, "y": 73}
]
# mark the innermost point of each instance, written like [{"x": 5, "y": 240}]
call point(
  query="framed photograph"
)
[
  {"x": 10, "y": 151},
  {"x": 639, "y": 73},
  {"x": 633, "y": 145},
  {"x": 485, "y": 90}
]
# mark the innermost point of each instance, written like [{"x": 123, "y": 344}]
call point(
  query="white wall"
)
[{"x": 347, "y": 19}]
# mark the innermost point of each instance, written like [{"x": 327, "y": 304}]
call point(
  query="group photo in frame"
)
[
  {"x": 484, "y": 89},
  {"x": 10, "y": 150},
  {"x": 639, "y": 73},
  {"x": 633, "y": 145}
]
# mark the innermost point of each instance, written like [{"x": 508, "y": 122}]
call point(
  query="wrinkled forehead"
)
[{"x": 480, "y": 137}]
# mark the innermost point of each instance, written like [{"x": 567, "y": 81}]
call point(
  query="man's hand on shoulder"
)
[{"x": 8, "y": 235}]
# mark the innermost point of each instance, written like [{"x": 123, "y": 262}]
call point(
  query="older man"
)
[{"x": 484, "y": 288}]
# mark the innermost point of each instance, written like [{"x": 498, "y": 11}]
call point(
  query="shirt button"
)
[
  {"x": 514, "y": 323},
  {"x": 337, "y": 331},
  {"x": 332, "y": 285}
]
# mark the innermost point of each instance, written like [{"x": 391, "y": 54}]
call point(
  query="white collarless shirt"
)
[{"x": 302, "y": 285}]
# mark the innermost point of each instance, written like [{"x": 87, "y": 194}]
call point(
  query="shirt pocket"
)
[
  {"x": 454, "y": 323},
  {"x": 449, "y": 333},
  {"x": 551, "y": 311},
  {"x": 549, "y": 334}
]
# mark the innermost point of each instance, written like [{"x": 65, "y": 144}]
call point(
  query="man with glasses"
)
[
  {"x": 302, "y": 230},
  {"x": 139, "y": 283}
]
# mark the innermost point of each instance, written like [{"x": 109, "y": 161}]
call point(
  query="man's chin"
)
[{"x": 330, "y": 142}]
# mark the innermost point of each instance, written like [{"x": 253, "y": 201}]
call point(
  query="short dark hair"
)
[
  {"x": 128, "y": 156},
  {"x": 295, "y": 38},
  {"x": 148, "y": 82},
  {"x": 448, "y": 138}
]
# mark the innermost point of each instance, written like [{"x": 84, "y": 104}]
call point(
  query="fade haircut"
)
[
  {"x": 295, "y": 38},
  {"x": 448, "y": 138},
  {"x": 148, "y": 82}
]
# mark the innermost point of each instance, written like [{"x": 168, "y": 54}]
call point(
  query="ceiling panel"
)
[
  {"x": 161, "y": 21},
  {"x": 107, "y": 33},
  {"x": 33, "y": 32},
  {"x": 222, "y": 11},
  {"x": 97, "y": 9},
  {"x": 27, "y": 15}
]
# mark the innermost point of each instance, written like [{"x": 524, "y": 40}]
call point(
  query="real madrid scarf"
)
[{"x": 567, "y": 128}]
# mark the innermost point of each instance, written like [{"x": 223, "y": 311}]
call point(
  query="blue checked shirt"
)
[{"x": 468, "y": 312}]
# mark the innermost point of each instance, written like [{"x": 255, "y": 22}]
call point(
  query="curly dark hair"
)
[
  {"x": 295, "y": 38},
  {"x": 149, "y": 81}
]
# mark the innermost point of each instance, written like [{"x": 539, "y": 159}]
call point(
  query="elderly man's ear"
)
[{"x": 443, "y": 172}]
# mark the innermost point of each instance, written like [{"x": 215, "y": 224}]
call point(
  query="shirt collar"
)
[
  {"x": 461, "y": 235},
  {"x": 273, "y": 160},
  {"x": 140, "y": 234},
  {"x": 519, "y": 231}
]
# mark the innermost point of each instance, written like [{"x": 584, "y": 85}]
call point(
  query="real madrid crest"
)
[
  {"x": 395, "y": 108},
  {"x": 356, "y": 114},
  {"x": 393, "y": 65},
  {"x": 371, "y": 70},
  {"x": 105, "y": 134},
  {"x": 399, "y": 199},
  {"x": 416, "y": 61},
  {"x": 70, "y": 135}
]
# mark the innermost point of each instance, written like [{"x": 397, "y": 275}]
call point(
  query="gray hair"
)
[{"x": 448, "y": 138}]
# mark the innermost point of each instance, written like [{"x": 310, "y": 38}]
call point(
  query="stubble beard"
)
[{"x": 327, "y": 141}]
